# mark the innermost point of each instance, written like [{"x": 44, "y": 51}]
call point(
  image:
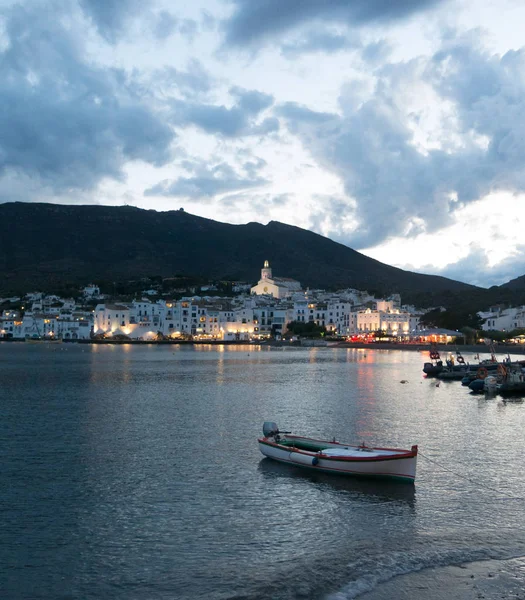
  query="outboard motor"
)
[{"x": 270, "y": 429}]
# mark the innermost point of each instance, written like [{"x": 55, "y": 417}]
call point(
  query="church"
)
[{"x": 278, "y": 287}]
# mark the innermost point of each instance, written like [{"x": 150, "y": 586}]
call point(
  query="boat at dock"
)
[
  {"x": 453, "y": 374},
  {"x": 433, "y": 368},
  {"x": 512, "y": 381},
  {"x": 337, "y": 457}
]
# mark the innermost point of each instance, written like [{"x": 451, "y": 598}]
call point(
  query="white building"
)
[
  {"x": 340, "y": 317},
  {"x": 91, "y": 291},
  {"x": 504, "y": 320},
  {"x": 278, "y": 287},
  {"x": 48, "y": 326},
  {"x": 395, "y": 322}
]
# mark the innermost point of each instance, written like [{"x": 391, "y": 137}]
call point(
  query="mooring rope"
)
[{"x": 472, "y": 481}]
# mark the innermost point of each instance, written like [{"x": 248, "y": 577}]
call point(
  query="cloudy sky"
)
[{"x": 396, "y": 127}]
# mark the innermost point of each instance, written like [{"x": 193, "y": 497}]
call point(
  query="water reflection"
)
[
  {"x": 381, "y": 491},
  {"x": 143, "y": 460}
]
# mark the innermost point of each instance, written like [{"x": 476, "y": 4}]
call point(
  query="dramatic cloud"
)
[
  {"x": 207, "y": 181},
  {"x": 65, "y": 121},
  {"x": 298, "y": 116},
  {"x": 321, "y": 40},
  {"x": 111, "y": 16},
  {"x": 242, "y": 119},
  {"x": 191, "y": 83},
  {"x": 252, "y": 21},
  {"x": 262, "y": 204},
  {"x": 330, "y": 40},
  {"x": 368, "y": 121},
  {"x": 405, "y": 182},
  {"x": 166, "y": 25},
  {"x": 475, "y": 268}
]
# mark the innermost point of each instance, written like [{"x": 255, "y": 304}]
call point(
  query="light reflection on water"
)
[{"x": 133, "y": 471}]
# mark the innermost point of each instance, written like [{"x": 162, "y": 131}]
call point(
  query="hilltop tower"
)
[{"x": 266, "y": 271}]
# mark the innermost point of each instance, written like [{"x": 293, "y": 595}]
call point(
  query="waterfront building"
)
[
  {"x": 340, "y": 317},
  {"x": 9, "y": 326},
  {"x": 259, "y": 315},
  {"x": 300, "y": 311},
  {"x": 47, "y": 326},
  {"x": 111, "y": 319},
  {"x": 392, "y": 322},
  {"x": 140, "y": 320}
]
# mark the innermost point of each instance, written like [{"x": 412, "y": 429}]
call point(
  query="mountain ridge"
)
[{"x": 48, "y": 244}]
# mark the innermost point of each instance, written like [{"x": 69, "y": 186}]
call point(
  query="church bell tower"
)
[{"x": 266, "y": 271}]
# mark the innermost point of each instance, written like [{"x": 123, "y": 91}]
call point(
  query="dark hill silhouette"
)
[
  {"x": 43, "y": 245},
  {"x": 517, "y": 285}
]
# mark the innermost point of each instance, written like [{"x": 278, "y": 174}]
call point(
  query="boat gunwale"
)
[
  {"x": 404, "y": 454},
  {"x": 302, "y": 437}
]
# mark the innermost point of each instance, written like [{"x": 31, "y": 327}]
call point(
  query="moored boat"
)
[
  {"x": 337, "y": 457},
  {"x": 513, "y": 381},
  {"x": 452, "y": 375},
  {"x": 477, "y": 385}
]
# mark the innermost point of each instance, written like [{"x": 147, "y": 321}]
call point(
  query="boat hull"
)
[
  {"x": 432, "y": 369},
  {"x": 401, "y": 467}
]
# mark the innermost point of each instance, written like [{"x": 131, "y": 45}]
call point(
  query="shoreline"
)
[
  {"x": 487, "y": 579},
  {"x": 444, "y": 348},
  {"x": 413, "y": 346}
]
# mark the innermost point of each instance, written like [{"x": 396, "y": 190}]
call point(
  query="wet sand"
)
[{"x": 484, "y": 580}]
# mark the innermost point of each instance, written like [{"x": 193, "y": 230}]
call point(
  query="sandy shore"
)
[{"x": 484, "y": 580}]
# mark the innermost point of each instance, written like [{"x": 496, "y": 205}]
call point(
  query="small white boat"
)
[{"x": 336, "y": 457}]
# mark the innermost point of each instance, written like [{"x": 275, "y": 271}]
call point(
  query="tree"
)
[
  {"x": 471, "y": 335},
  {"x": 308, "y": 329},
  {"x": 452, "y": 319}
]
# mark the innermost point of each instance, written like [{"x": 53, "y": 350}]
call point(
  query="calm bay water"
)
[{"x": 132, "y": 472}]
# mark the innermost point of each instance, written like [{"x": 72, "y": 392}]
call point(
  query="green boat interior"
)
[{"x": 303, "y": 445}]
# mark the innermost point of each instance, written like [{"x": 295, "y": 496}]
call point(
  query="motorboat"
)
[
  {"x": 337, "y": 457},
  {"x": 513, "y": 381}
]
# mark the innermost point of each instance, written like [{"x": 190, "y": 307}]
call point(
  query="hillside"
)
[
  {"x": 517, "y": 285},
  {"x": 43, "y": 245}
]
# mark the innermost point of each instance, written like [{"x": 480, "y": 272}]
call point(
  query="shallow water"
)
[{"x": 132, "y": 472}]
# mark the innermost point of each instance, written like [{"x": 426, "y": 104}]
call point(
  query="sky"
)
[{"x": 396, "y": 128}]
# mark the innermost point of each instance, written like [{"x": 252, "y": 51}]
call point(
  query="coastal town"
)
[{"x": 259, "y": 312}]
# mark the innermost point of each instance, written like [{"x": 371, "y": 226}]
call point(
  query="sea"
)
[{"x": 133, "y": 473}]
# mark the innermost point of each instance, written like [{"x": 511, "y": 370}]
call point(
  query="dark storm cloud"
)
[
  {"x": 242, "y": 119},
  {"x": 110, "y": 17},
  {"x": 63, "y": 120},
  {"x": 206, "y": 181},
  {"x": 369, "y": 144},
  {"x": 251, "y": 21}
]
